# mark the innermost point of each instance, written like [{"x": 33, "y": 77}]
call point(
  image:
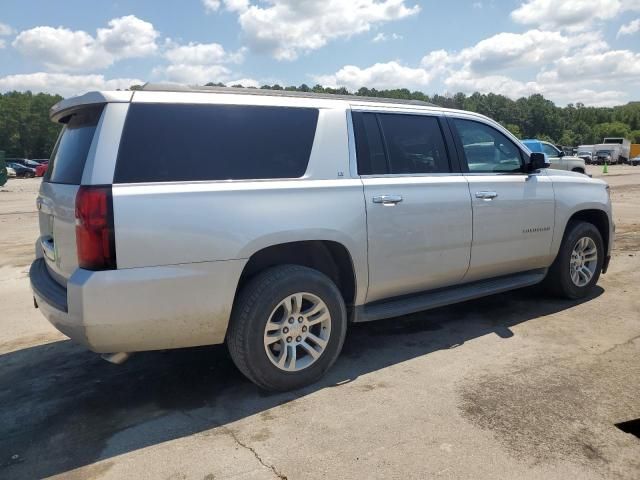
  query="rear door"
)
[
  {"x": 56, "y": 200},
  {"x": 513, "y": 211},
  {"x": 417, "y": 203}
]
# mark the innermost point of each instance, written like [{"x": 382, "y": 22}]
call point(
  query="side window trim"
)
[
  {"x": 456, "y": 161},
  {"x": 455, "y": 165},
  {"x": 385, "y": 144},
  {"x": 460, "y": 148}
]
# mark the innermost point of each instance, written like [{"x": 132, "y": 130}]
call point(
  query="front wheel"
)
[
  {"x": 577, "y": 267},
  {"x": 287, "y": 327}
]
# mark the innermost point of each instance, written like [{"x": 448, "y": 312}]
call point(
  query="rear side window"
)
[
  {"x": 372, "y": 159},
  {"x": 168, "y": 142},
  {"x": 70, "y": 153},
  {"x": 409, "y": 144}
]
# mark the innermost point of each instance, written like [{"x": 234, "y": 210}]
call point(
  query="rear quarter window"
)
[
  {"x": 184, "y": 142},
  {"x": 70, "y": 152}
]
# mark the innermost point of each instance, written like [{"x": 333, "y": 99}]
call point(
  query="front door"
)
[{"x": 513, "y": 212}]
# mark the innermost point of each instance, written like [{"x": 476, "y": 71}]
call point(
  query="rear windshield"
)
[
  {"x": 168, "y": 142},
  {"x": 70, "y": 153}
]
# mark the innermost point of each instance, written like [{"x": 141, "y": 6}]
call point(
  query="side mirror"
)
[
  {"x": 561, "y": 153},
  {"x": 537, "y": 161}
]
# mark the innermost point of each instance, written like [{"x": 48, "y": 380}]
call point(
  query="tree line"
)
[{"x": 25, "y": 129}]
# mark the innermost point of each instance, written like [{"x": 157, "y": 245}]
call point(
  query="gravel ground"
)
[{"x": 515, "y": 385}]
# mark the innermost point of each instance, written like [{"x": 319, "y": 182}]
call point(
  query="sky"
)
[{"x": 570, "y": 51}]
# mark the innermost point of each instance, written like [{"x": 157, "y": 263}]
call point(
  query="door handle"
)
[
  {"x": 387, "y": 199},
  {"x": 486, "y": 196}
]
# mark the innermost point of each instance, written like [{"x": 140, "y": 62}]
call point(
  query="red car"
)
[{"x": 42, "y": 169}]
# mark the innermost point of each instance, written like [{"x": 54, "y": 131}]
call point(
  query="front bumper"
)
[{"x": 138, "y": 309}]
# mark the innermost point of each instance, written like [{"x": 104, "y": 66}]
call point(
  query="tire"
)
[
  {"x": 261, "y": 301},
  {"x": 579, "y": 170},
  {"x": 559, "y": 278}
]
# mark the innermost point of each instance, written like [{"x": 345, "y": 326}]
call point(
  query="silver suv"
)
[{"x": 176, "y": 217}]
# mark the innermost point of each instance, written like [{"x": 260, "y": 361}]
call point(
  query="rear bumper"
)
[{"x": 140, "y": 309}]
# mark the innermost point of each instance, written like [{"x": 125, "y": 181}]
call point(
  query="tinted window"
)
[
  {"x": 369, "y": 147},
  {"x": 70, "y": 153},
  {"x": 164, "y": 142},
  {"x": 486, "y": 149},
  {"x": 414, "y": 144}
]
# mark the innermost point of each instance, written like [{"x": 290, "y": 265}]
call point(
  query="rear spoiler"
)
[{"x": 68, "y": 105}]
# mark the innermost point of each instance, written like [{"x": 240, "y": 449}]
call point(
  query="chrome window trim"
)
[
  {"x": 416, "y": 175},
  {"x": 351, "y": 138}
]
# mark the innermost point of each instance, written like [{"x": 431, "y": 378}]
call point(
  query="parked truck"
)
[
  {"x": 610, "y": 153},
  {"x": 622, "y": 148},
  {"x": 585, "y": 152}
]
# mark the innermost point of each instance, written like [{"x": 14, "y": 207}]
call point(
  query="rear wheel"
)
[
  {"x": 577, "y": 267},
  {"x": 287, "y": 327}
]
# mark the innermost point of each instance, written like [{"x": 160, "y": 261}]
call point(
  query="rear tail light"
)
[{"x": 95, "y": 236}]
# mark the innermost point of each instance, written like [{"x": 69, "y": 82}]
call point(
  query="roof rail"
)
[{"x": 165, "y": 87}]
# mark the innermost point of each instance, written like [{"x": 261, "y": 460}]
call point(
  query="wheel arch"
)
[
  {"x": 327, "y": 256},
  {"x": 598, "y": 218}
]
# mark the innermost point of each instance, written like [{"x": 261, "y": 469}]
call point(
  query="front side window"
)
[
  {"x": 399, "y": 144},
  {"x": 186, "y": 142},
  {"x": 486, "y": 149},
  {"x": 550, "y": 150}
]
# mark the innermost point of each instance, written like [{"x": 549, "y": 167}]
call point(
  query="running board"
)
[{"x": 445, "y": 296}]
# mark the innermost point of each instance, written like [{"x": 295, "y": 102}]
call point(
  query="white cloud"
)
[
  {"x": 612, "y": 64},
  {"x": 61, "y": 49},
  {"x": 506, "y": 50},
  {"x": 567, "y": 67},
  {"x": 202, "y": 54},
  {"x": 128, "y": 37},
  {"x": 629, "y": 28},
  {"x": 287, "y": 28},
  {"x": 380, "y": 75},
  {"x": 245, "y": 82},
  {"x": 193, "y": 74},
  {"x": 198, "y": 63},
  {"x": 383, "y": 37},
  {"x": 232, "y": 5},
  {"x": 211, "y": 5},
  {"x": 62, "y": 83},
  {"x": 5, "y": 30},
  {"x": 464, "y": 81},
  {"x": 572, "y": 14}
]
